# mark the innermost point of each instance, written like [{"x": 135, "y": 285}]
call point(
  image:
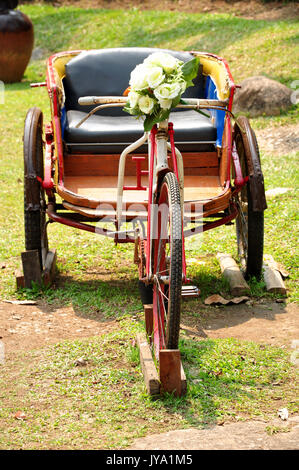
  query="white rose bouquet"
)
[{"x": 157, "y": 85}]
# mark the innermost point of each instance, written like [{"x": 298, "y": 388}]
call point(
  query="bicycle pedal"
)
[{"x": 190, "y": 291}]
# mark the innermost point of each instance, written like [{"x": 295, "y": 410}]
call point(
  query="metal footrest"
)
[{"x": 190, "y": 291}]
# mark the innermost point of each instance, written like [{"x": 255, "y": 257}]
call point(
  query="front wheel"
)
[{"x": 167, "y": 266}]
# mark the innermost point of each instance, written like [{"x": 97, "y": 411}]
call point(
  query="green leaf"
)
[
  {"x": 128, "y": 109},
  {"x": 176, "y": 101},
  {"x": 190, "y": 70},
  {"x": 153, "y": 119}
]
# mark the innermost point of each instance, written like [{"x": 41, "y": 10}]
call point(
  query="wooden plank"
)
[
  {"x": 92, "y": 191},
  {"x": 20, "y": 280},
  {"x": 200, "y": 160},
  {"x": 270, "y": 261},
  {"x": 170, "y": 371},
  {"x": 273, "y": 280},
  {"x": 99, "y": 165},
  {"x": 230, "y": 270},
  {"x": 148, "y": 313},
  {"x": 201, "y": 171},
  {"x": 183, "y": 381},
  {"x": 48, "y": 274},
  {"x": 107, "y": 165},
  {"x": 150, "y": 373},
  {"x": 31, "y": 267}
]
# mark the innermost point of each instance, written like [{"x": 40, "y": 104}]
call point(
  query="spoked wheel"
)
[
  {"x": 167, "y": 266},
  {"x": 34, "y": 194},
  {"x": 249, "y": 222}
]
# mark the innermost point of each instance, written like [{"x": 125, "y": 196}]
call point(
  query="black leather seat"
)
[{"x": 107, "y": 72}]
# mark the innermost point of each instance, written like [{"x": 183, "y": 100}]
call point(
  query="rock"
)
[
  {"x": 262, "y": 96},
  {"x": 37, "y": 54}
]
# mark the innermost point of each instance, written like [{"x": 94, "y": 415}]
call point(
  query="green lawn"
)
[{"x": 100, "y": 279}]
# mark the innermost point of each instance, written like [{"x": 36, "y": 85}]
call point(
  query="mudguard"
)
[
  {"x": 251, "y": 151},
  {"x": 32, "y": 167}
]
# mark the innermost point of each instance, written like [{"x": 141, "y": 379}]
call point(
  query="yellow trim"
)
[
  {"x": 59, "y": 66},
  {"x": 217, "y": 71}
]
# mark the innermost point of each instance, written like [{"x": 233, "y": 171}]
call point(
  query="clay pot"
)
[{"x": 16, "y": 44}]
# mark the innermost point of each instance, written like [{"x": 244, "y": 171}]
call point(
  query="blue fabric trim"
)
[
  {"x": 63, "y": 120},
  {"x": 217, "y": 114}
]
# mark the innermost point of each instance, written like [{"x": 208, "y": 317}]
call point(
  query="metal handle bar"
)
[{"x": 121, "y": 100}]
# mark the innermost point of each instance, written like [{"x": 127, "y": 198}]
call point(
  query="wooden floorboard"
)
[{"x": 104, "y": 188}]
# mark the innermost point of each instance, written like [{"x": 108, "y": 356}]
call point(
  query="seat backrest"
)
[{"x": 106, "y": 72}]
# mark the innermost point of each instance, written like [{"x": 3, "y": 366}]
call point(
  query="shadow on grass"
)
[
  {"x": 95, "y": 299},
  {"x": 111, "y": 299}
]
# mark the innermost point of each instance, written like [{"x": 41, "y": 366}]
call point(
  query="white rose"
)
[
  {"x": 183, "y": 86},
  {"x": 165, "y": 104},
  {"x": 154, "y": 76},
  {"x": 133, "y": 98},
  {"x": 164, "y": 60},
  {"x": 146, "y": 104},
  {"x": 167, "y": 91},
  {"x": 138, "y": 79}
]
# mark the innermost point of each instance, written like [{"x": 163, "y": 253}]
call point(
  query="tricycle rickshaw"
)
[{"x": 189, "y": 171}]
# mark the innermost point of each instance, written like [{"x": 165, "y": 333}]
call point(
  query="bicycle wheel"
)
[
  {"x": 249, "y": 223},
  {"x": 34, "y": 194},
  {"x": 167, "y": 266}
]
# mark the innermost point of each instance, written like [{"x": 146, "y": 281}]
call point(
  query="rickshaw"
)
[{"x": 94, "y": 164}]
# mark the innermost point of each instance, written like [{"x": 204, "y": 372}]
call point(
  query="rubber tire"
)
[
  {"x": 255, "y": 237},
  {"x": 34, "y": 218},
  {"x": 173, "y": 305}
]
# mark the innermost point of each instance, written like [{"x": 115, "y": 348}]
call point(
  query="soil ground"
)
[
  {"x": 25, "y": 327},
  {"x": 251, "y": 9}
]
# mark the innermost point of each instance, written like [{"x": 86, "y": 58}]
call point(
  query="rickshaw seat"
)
[{"x": 106, "y": 73}]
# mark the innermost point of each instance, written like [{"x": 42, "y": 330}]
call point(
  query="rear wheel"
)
[
  {"x": 249, "y": 223},
  {"x": 34, "y": 194},
  {"x": 167, "y": 266}
]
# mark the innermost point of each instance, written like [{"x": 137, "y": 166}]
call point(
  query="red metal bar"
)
[
  {"x": 48, "y": 181},
  {"x": 217, "y": 223},
  {"x": 173, "y": 154},
  {"x": 240, "y": 180},
  {"x": 150, "y": 198},
  {"x": 88, "y": 228},
  {"x": 139, "y": 174}
]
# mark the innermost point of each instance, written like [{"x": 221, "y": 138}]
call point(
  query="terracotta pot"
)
[{"x": 16, "y": 44}]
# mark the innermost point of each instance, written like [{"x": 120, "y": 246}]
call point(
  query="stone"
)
[{"x": 260, "y": 95}]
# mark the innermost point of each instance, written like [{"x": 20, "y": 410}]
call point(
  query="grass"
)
[
  {"x": 98, "y": 405},
  {"x": 237, "y": 39},
  {"x": 90, "y": 393}
]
